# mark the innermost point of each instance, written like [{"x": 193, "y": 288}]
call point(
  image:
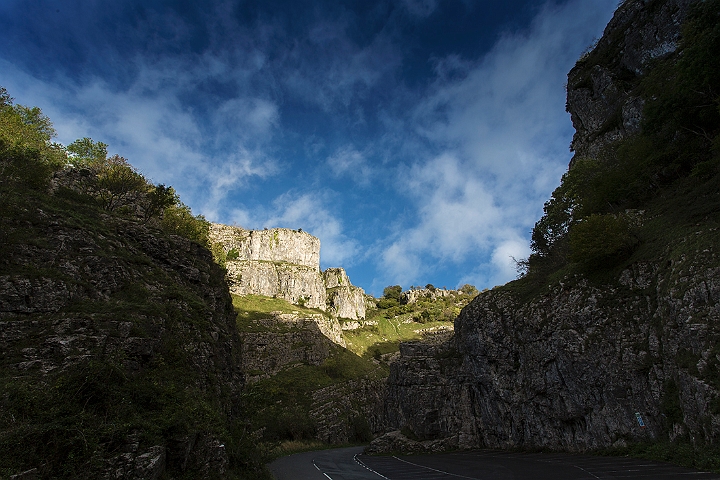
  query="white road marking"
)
[
  {"x": 318, "y": 469},
  {"x": 433, "y": 469},
  {"x": 359, "y": 462}
]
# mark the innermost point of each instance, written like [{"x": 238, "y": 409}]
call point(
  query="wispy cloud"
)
[
  {"x": 420, "y": 8},
  {"x": 348, "y": 162},
  {"x": 502, "y": 135}
]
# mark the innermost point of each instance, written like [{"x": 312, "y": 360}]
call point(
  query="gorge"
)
[{"x": 140, "y": 341}]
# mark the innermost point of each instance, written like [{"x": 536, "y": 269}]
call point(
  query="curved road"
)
[{"x": 351, "y": 464}]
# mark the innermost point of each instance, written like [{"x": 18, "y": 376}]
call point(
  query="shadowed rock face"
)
[
  {"x": 115, "y": 312},
  {"x": 573, "y": 367},
  {"x": 601, "y": 101}
]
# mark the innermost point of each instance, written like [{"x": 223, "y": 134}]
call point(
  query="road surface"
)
[{"x": 350, "y": 464}]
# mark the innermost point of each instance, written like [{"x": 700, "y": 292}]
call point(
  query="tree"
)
[
  {"x": 26, "y": 135},
  {"x": 158, "y": 199},
  {"x": 85, "y": 151},
  {"x": 118, "y": 183},
  {"x": 392, "y": 292},
  {"x": 179, "y": 220}
]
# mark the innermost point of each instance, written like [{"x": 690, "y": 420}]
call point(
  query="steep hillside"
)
[
  {"x": 118, "y": 344},
  {"x": 610, "y": 339}
]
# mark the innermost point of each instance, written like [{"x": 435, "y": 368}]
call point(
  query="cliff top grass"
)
[
  {"x": 251, "y": 308},
  {"x": 385, "y": 337}
]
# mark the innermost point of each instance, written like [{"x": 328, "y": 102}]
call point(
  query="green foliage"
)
[
  {"x": 27, "y": 156},
  {"x": 118, "y": 184},
  {"x": 233, "y": 254},
  {"x": 179, "y": 220},
  {"x": 157, "y": 199},
  {"x": 218, "y": 253},
  {"x": 24, "y": 127},
  {"x": 86, "y": 152},
  {"x": 601, "y": 239}
]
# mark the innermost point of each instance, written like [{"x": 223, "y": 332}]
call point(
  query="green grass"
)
[
  {"x": 385, "y": 337},
  {"x": 258, "y": 307},
  {"x": 253, "y": 309}
]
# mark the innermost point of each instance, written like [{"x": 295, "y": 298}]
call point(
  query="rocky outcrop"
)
[
  {"x": 285, "y": 263},
  {"x": 271, "y": 245},
  {"x": 601, "y": 97},
  {"x": 108, "y": 327},
  {"x": 572, "y": 369},
  {"x": 298, "y": 284},
  {"x": 344, "y": 300},
  {"x": 413, "y": 295}
]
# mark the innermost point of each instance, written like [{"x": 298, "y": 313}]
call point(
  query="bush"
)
[
  {"x": 118, "y": 184},
  {"x": 600, "y": 240},
  {"x": 179, "y": 220}
]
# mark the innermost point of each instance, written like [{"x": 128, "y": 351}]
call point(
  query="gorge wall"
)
[
  {"x": 119, "y": 351},
  {"x": 285, "y": 263},
  {"x": 576, "y": 364}
]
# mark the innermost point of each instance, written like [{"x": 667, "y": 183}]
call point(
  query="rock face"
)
[
  {"x": 344, "y": 300},
  {"x": 571, "y": 370},
  {"x": 274, "y": 245},
  {"x": 349, "y": 412},
  {"x": 105, "y": 317},
  {"x": 286, "y": 263},
  {"x": 601, "y": 101},
  {"x": 584, "y": 364},
  {"x": 288, "y": 339}
]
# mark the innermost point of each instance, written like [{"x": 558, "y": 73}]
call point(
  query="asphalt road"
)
[{"x": 350, "y": 464}]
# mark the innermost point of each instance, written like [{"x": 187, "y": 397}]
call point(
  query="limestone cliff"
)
[
  {"x": 601, "y": 97},
  {"x": 344, "y": 300},
  {"x": 588, "y": 358},
  {"x": 285, "y": 263},
  {"x": 119, "y": 352},
  {"x": 571, "y": 369}
]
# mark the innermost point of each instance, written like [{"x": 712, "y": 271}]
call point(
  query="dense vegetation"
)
[{"x": 597, "y": 218}]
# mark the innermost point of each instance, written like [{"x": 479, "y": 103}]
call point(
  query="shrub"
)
[
  {"x": 179, "y": 220},
  {"x": 601, "y": 239},
  {"x": 118, "y": 184}
]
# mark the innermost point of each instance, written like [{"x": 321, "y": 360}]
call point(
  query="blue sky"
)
[{"x": 418, "y": 139}]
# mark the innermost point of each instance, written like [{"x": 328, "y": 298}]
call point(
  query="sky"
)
[{"x": 418, "y": 139}]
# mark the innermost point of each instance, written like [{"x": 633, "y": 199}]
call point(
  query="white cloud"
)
[
  {"x": 500, "y": 125},
  {"x": 148, "y": 124},
  {"x": 348, "y": 162}
]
